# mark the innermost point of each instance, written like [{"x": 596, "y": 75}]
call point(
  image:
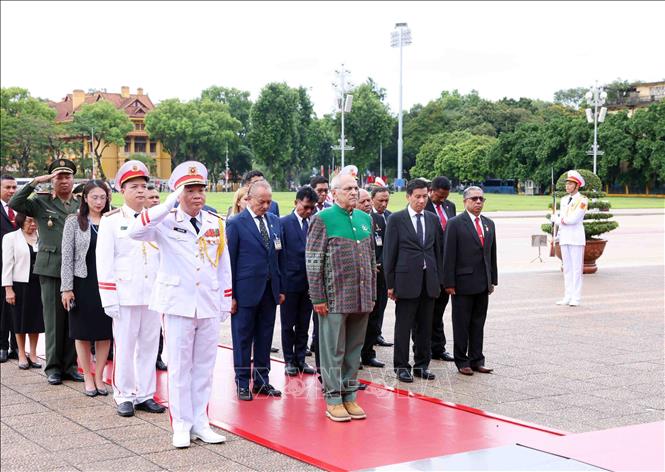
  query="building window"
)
[
  {"x": 139, "y": 126},
  {"x": 139, "y": 144},
  {"x": 153, "y": 147},
  {"x": 128, "y": 146}
]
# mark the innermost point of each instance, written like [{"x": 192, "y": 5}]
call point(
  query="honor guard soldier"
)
[
  {"x": 193, "y": 290},
  {"x": 572, "y": 238},
  {"x": 126, "y": 271},
  {"x": 51, "y": 210}
]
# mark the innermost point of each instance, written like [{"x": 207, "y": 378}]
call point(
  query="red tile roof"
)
[{"x": 136, "y": 106}]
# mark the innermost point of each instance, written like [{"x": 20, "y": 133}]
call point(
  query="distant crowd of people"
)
[{"x": 89, "y": 276}]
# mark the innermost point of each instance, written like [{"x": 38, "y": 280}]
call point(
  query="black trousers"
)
[
  {"x": 7, "y": 337},
  {"x": 413, "y": 315},
  {"x": 375, "y": 318},
  {"x": 438, "y": 336},
  {"x": 295, "y": 314},
  {"x": 469, "y": 314}
]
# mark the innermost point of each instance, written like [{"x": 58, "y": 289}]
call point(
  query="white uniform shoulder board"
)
[
  {"x": 112, "y": 212},
  {"x": 215, "y": 214}
]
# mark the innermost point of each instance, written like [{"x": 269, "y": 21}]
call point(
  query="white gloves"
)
[
  {"x": 172, "y": 199},
  {"x": 113, "y": 311}
]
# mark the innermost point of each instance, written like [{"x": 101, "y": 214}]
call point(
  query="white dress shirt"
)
[
  {"x": 300, "y": 220},
  {"x": 412, "y": 214},
  {"x": 480, "y": 222},
  {"x": 265, "y": 221}
]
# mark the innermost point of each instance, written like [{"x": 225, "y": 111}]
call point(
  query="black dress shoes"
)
[
  {"x": 446, "y": 356},
  {"x": 308, "y": 353},
  {"x": 12, "y": 355},
  {"x": 75, "y": 376},
  {"x": 404, "y": 375},
  {"x": 307, "y": 369},
  {"x": 126, "y": 409},
  {"x": 274, "y": 349},
  {"x": 160, "y": 364},
  {"x": 34, "y": 365},
  {"x": 374, "y": 362},
  {"x": 482, "y": 369},
  {"x": 424, "y": 374},
  {"x": 244, "y": 394},
  {"x": 150, "y": 405},
  {"x": 267, "y": 390},
  {"x": 290, "y": 370},
  {"x": 382, "y": 342},
  {"x": 25, "y": 366},
  {"x": 54, "y": 379},
  {"x": 92, "y": 393},
  {"x": 4, "y": 355}
]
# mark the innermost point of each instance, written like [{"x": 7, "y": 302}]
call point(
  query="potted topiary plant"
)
[{"x": 597, "y": 220}]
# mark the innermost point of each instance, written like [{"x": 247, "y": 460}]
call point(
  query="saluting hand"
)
[{"x": 45, "y": 178}]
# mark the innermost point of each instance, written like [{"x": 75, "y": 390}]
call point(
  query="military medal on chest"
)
[{"x": 49, "y": 223}]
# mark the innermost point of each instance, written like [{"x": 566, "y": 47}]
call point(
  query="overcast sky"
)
[{"x": 174, "y": 49}]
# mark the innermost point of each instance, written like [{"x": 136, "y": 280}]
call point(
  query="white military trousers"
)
[
  {"x": 136, "y": 341},
  {"x": 191, "y": 350},
  {"x": 573, "y": 263}
]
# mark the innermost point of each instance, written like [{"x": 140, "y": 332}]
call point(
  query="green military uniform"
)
[
  {"x": 50, "y": 213},
  {"x": 341, "y": 269}
]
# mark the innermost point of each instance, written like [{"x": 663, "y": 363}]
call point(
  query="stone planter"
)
[{"x": 592, "y": 251}]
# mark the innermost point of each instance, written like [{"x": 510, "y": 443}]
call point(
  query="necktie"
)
[
  {"x": 305, "y": 227},
  {"x": 480, "y": 231},
  {"x": 570, "y": 199},
  {"x": 419, "y": 229},
  {"x": 264, "y": 233},
  {"x": 12, "y": 216},
  {"x": 136, "y": 214},
  {"x": 194, "y": 223},
  {"x": 442, "y": 217}
]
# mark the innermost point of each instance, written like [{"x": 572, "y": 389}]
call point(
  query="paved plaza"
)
[{"x": 597, "y": 366}]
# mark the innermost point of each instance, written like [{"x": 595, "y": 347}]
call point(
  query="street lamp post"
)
[
  {"x": 596, "y": 98},
  {"x": 344, "y": 103},
  {"x": 400, "y": 37}
]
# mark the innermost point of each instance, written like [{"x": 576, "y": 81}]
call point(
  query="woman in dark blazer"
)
[
  {"x": 80, "y": 291},
  {"x": 23, "y": 292}
]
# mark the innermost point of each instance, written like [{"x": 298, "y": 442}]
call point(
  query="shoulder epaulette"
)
[
  {"x": 215, "y": 214},
  {"x": 112, "y": 212},
  {"x": 173, "y": 210}
]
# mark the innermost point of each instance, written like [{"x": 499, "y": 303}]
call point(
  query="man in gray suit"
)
[{"x": 413, "y": 265}]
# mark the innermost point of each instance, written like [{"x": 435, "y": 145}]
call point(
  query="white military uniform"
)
[
  {"x": 126, "y": 270},
  {"x": 572, "y": 241},
  {"x": 193, "y": 290}
]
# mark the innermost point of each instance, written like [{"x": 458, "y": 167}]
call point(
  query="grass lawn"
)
[{"x": 495, "y": 202}]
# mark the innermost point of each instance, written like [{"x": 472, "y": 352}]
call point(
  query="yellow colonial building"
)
[{"x": 137, "y": 141}]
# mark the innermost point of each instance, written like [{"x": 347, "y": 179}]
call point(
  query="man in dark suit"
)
[
  {"x": 380, "y": 198},
  {"x": 296, "y": 311},
  {"x": 7, "y": 225},
  {"x": 413, "y": 267},
  {"x": 253, "y": 176},
  {"x": 470, "y": 274},
  {"x": 320, "y": 185},
  {"x": 255, "y": 243},
  {"x": 444, "y": 209}
]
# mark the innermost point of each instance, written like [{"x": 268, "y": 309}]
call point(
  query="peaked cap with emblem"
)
[
  {"x": 188, "y": 173},
  {"x": 131, "y": 170},
  {"x": 62, "y": 165},
  {"x": 576, "y": 177}
]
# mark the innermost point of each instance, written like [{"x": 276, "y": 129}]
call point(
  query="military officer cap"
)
[
  {"x": 188, "y": 173},
  {"x": 576, "y": 177},
  {"x": 131, "y": 170},
  {"x": 62, "y": 165}
]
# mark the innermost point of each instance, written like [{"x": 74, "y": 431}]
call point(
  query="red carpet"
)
[
  {"x": 638, "y": 447},
  {"x": 400, "y": 427}
]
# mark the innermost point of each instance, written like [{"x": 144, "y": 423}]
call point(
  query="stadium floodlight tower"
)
[
  {"x": 344, "y": 103},
  {"x": 400, "y": 37},
  {"x": 596, "y": 97}
]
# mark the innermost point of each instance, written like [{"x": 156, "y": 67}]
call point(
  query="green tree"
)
[
  {"x": 572, "y": 97},
  {"x": 238, "y": 102},
  {"x": 28, "y": 132},
  {"x": 106, "y": 123},
  {"x": 648, "y": 127},
  {"x": 280, "y": 119},
  {"x": 171, "y": 123}
]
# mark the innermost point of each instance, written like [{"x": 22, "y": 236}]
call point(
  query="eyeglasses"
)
[
  {"x": 476, "y": 199},
  {"x": 97, "y": 198}
]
